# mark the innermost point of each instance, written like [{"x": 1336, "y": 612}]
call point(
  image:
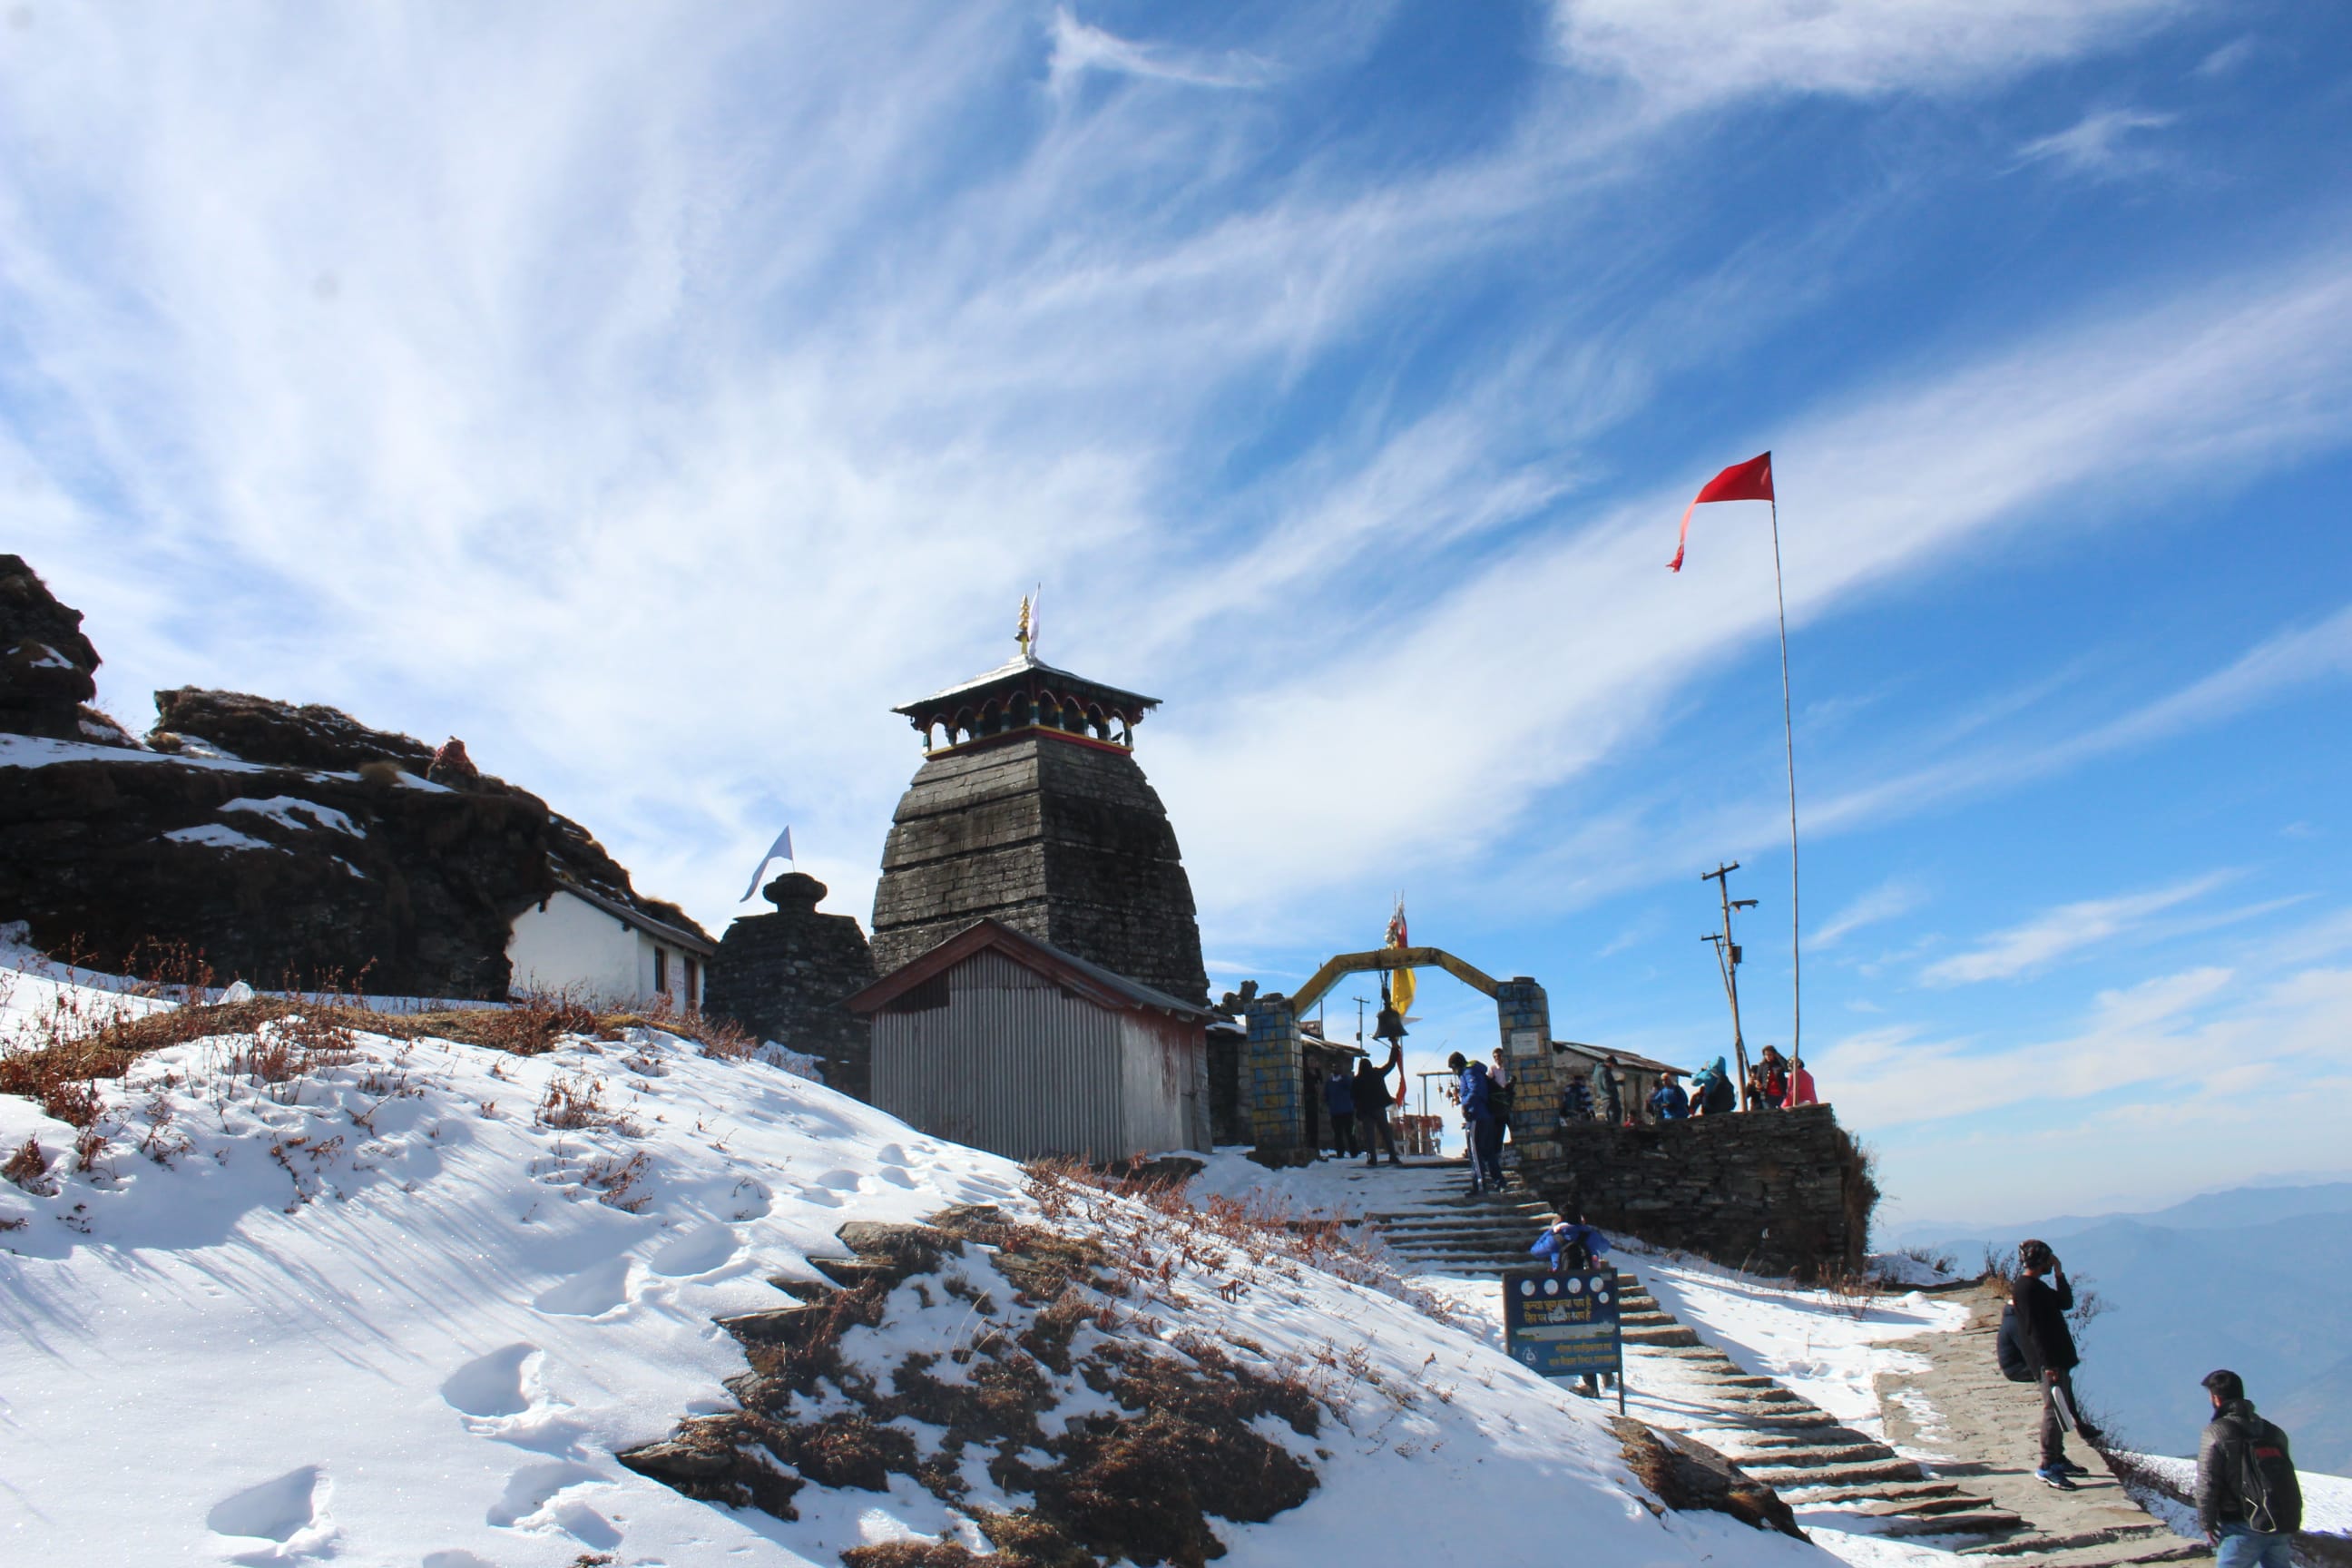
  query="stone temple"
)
[{"x": 1029, "y": 808}]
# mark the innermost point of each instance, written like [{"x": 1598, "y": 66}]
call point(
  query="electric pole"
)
[{"x": 1727, "y": 957}]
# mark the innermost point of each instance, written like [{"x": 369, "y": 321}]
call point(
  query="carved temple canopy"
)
[{"x": 1027, "y": 696}]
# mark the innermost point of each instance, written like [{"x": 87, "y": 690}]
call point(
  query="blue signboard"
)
[{"x": 1562, "y": 1325}]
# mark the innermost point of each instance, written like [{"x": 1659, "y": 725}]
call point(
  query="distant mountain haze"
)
[{"x": 2258, "y": 1279}]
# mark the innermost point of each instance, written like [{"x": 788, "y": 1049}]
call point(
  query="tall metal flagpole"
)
[{"x": 1789, "y": 733}]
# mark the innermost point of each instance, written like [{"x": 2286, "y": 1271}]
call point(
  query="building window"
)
[
  {"x": 693, "y": 983},
  {"x": 661, "y": 970}
]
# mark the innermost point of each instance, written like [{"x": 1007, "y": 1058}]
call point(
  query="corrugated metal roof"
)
[
  {"x": 1089, "y": 979},
  {"x": 1624, "y": 1058}
]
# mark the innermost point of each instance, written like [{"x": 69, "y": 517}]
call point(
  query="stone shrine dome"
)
[{"x": 1030, "y": 810}]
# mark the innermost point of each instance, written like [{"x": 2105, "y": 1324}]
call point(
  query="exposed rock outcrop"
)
[
  {"x": 46, "y": 666},
  {"x": 1687, "y": 1475},
  {"x": 282, "y": 843},
  {"x": 784, "y": 976}
]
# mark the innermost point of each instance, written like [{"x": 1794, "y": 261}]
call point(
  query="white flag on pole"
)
[{"x": 783, "y": 846}]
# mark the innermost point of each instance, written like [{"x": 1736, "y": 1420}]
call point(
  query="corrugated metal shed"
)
[{"x": 1008, "y": 1044}]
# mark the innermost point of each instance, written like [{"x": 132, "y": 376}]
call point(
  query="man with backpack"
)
[
  {"x": 1479, "y": 1121},
  {"x": 2038, "y": 1310},
  {"x": 2248, "y": 1496},
  {"x": 1608, "y": 1091}
]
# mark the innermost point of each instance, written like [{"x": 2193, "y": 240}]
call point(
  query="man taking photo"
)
[{"x": 2039, "y": 1302}]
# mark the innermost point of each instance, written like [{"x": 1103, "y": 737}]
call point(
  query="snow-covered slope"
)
[{"x": 405, "y": 1303}]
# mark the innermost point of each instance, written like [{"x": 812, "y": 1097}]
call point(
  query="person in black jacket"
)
[
  {"x": 2038, "y": 1302},
  {"x": 2249, "y": 1497},
  {"x": 1372, "y": 1105}
]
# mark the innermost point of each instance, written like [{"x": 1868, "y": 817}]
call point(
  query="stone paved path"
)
[
  {"x": 1934, "y": 1479},
  {"x": 1962, "y": 1407}
]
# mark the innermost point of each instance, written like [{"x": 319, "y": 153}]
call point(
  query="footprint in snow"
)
[
  {"x": 454, "y": 1559},
  {"x": 696, "y": 1252},
  {"x": 840, "y": 1180},
  {"x": 491, "y": 1386},
  {"x": 535, "y": 1498},
  {"x": 588, "y": 1294},
  {"x": 288, "y": 1511},
  {"x": 898, "y": 1178},
  {"x": 492, "y": 1393},
  {"x": 891, "y": 1155}
]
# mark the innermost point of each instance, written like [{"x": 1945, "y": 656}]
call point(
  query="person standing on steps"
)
[
  {"x": 1371, "y": 1102},
  {"x": 1339, "y": 1101},
  {"x": 2039, "y": 1307},
  {"x": 1480, "y": 1122},
  {"x": 2248, "y": 1496},
  {"x": 1502, "y": 1095}
]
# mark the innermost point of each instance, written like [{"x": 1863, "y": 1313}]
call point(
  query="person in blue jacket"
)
[
  {"x": 1339, "y": 1101},
  {"x": 1712, "y": 1090},
  {"x": 1479, "y": 1120},
  {"x": 1571, "y": 1244},
  {"x": 1668, "y": 1101}
]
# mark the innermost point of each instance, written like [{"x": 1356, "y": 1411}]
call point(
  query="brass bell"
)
[{"x": 1391, "y": 1028}]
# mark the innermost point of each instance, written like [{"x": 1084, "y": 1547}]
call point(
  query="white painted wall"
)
[{"x": 571, "y": 944}]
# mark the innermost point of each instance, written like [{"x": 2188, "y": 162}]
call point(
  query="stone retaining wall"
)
[{"x": 1780, "y": 1192}]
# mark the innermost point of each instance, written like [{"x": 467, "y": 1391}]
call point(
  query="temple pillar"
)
[
  {"x": 1525, "y": 1015},
  {"x": 1273, "y": 1064}
]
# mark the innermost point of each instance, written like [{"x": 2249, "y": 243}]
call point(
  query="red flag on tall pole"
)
[{"x": 1750, "y": 481}]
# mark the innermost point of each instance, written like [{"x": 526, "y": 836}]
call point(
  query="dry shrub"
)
[
  {"x": 29, "y": 1167},
  {"x": 926, "y": 1554},
  {"x": 574, "y": 1102},
  {"x": 533, "y": 1022}
]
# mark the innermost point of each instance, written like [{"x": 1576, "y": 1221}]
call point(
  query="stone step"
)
[
  {"x": 1893, "y": 1492},
  {"x": 1794, "y": 1479},
  {"x": 2092, "y": 1548},
  {"x": 1675, "y": 1335},
  {"x": 1990, "y": 1521}
]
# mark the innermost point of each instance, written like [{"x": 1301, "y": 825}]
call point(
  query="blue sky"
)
[{"x": 653, "y": 394}]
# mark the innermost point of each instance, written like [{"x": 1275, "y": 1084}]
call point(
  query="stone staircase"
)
[{"x": 1827, "y": 1471}]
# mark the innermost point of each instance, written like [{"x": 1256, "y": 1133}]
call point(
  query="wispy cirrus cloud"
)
[
  {"x": 1079, "y": 48},
  {"x": 2103, "y": 145},
  {"x": 1896, "y": 896},
  {"x": 2063, "y": 931},
  {"x": 1692, "y": 51}
]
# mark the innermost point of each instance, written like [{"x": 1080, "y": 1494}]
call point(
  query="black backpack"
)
[
  {"x": 2267, "y": 1486},
  {"x": 1499, "y": 1096},
  {"x": 2011, "y": 1349}
]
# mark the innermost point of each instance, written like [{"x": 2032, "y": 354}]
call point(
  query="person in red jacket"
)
[{"x": 1800, "y": 1084}]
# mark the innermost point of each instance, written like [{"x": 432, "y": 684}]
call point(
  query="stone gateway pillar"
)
[
  {"x": 1271, "y": 1066},
  {"x": 1525, "y": 1013}
]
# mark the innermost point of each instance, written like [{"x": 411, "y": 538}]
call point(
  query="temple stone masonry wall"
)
[
  {"x": 1060, "y": 838},
  {"x": 1783, "y": 1192},
  {"x": 785, "y": 976}
]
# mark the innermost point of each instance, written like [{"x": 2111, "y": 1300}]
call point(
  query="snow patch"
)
[
  {"x": 290, "y": 811},
  {"x": 219, "y": 835}
]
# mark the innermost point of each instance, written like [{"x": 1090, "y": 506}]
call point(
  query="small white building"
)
[{"x": 606, "y": 951}]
